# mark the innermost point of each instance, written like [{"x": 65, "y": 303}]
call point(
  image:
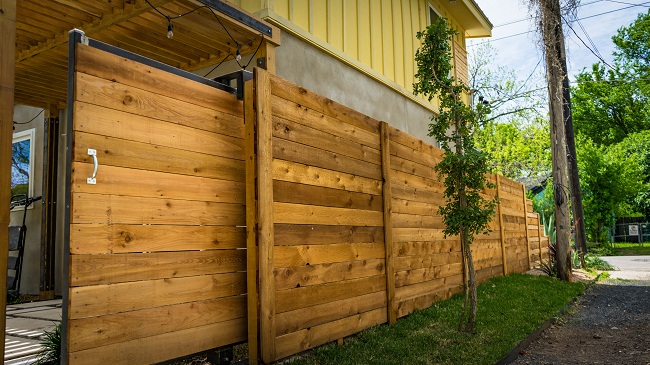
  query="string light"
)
[
  {"x": 170, "y": 28},
  {"x": 238, "y": 55}
]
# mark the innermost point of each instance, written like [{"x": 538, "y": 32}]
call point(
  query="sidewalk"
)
[{"x": 25, "y": 324}]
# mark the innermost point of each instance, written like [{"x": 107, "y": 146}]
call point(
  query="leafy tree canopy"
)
[{"x": 633, "y": 43}]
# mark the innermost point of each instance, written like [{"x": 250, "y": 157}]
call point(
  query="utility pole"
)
[
  {"x": 551, "y": 29},
  {"x": 572, "y": 157}
]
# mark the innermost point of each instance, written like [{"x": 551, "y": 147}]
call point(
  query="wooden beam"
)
[
  {"x": 102, "y": 22},
  {"x": 523, "y": 190},
  {"x": 265, "y": 214},
  {"x": 7, "y": 75},
  {"x": 388, "y": 223},
  {"x": 251, "y": 223},
  {"x": 501, "y": 228},
  {"x": 267, "y": 51}
]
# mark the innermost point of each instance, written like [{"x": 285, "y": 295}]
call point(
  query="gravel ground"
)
[{"x": 610, "y": 324}]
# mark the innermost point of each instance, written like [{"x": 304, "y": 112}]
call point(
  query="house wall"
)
[
  {"x": 318, "y": 71},
  {"x": 31, "y": 259},
  {"x": 375, "y": 37}
]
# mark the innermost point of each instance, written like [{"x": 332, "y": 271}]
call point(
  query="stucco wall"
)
[
  {"x": 315, "y": 70},
  {"x": 31, "y": 260}
]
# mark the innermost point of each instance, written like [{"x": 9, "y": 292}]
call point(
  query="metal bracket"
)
[
  {"x": 91, "y": 180},
  {"x": 240, "y": 77}
]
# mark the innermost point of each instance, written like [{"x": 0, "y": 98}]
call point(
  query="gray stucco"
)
[
  {"x": 313, "y": 69},
  {"x": 31, "y": 260}
]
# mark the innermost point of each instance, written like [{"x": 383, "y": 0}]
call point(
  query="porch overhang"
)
[
  {"x": 470, "y": 16},
  {"x": 207, "y": 32}
]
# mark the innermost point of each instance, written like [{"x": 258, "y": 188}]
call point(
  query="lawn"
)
[
  {"x": 631, "y": 249},
  {"x": 509, "y": 309}
]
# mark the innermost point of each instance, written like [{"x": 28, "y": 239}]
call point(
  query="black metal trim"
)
[
  {"x": 159, "y": 65},
  {"x": 239, "y": 16},
  {"x": 75, "y": 37},
  {"x": 240, "y": 77}
]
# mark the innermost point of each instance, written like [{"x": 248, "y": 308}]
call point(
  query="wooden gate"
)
[{"x": 156, "y": 243}]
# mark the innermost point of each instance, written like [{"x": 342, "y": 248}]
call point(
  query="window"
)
[
  {"x": 433, "y": 14},
  {"x": 22, "y": 161}
]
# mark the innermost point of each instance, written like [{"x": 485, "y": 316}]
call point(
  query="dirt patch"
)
[{"x": 610, "y": 324}]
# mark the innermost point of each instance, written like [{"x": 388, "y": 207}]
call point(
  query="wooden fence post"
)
[
  {"x": 501, "y": 228},
  {"x": 523, "y": 190},
  {"x": 388, "y": 223},
  {"x": 7, "y": 76},
  {"x": 539, "y": 235},
  {"x": 265, "y": 240},
  {"x": 251, "y": 223}
]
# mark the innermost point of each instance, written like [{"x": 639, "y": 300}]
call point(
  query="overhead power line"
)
[{"x": 586, "y": 17}]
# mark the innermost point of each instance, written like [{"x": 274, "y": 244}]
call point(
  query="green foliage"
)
[
  {"x": 549, "y": 228},
  {"x": 633, "y": 44},
  {"x": 511, "y": 308},
  {"x": 608, "y": 106},
  {"x": 516, "y": 150},
  {"x": 592, "y": 262},
  {"x": 544, "y": 203},
  {"x": 463, "y": 166},
  {"x": 50, "y": 353},
  {"x": 636, "y": 149},
  {"x": 609, "y": 180}
]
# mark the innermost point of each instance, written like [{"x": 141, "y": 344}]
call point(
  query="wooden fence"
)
[
  {"x": 156, "y": 266},
  {"x": 344, "y": 231},
  {"x": 306, "y": 224}
]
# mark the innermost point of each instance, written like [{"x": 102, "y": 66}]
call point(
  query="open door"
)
[{"x": 155, "y": 240}]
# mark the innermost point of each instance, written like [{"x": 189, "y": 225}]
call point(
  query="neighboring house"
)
[{"x": 357, "y": 52}]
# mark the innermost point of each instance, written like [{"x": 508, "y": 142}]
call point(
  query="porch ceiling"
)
[{"x": 199, "y": 40}]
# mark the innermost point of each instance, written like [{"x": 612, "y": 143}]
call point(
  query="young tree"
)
[{"x": 466, "y": 213}]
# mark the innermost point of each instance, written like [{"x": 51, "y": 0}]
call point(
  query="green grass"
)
[
  {"x": 509, "y": 309},
  {"x": 631, "y": 249}
]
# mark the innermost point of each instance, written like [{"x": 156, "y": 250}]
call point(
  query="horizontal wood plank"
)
[
  {"x": 96, "y": 300},
  {"x": 310, "y": 175},
  {"x": 87, "y": 333},
  {"x": 109, "y": 122},
  {"x": 165, "y": 346},
  {"x": 136, "y": 155},
  {"x": 94, "y": 90},
  {"x": 119, "y": 268},
  {"x": 287, "y": 256},
  {"x": 153, "y": 184},
  {"x": 313, "y": 214},
  {"x": 308, "y": 234},
  {"x": 124, "y": 71},
  {"x": 318, "y": 335},
  {"x": 306, "y": 275},
  {"x": 308, "y": 296},
  {"x": 317, "y": 157},
  {"x": 124, "y": 238},
  {"x": 110, "y": 209},
  {"x": 286, "y": 192},
  {"x": 299, "y": 319}
]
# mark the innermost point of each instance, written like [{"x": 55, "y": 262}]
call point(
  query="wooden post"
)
[
  {"x": 7, "y": 75},
  {"x": 539, "y": 234},
  {"x": 523, "y": 190},
  {"x": 265, "y": 239},
  {"x": 251, "y": 223},
  {"x": 268, "y": 54},
  {"x": 388, "y": 223},
  {"x": 501, "y": 228}
]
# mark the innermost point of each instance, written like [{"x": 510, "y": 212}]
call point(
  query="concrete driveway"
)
[{"x": 630, "y": 267}]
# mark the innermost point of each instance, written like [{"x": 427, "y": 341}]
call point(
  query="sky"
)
[{"x": 520, "y": 52}]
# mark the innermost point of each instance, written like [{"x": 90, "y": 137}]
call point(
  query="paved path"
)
[
  {"x": 630, "y": 267},
  {"x": 25, "y": 323},
  {"x": 611, "y": 323}
]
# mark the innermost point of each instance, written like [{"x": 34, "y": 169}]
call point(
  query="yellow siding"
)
[{"x": 379, "y": 34}]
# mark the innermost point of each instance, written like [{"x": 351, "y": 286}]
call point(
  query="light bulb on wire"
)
[
  {"x": 170, "y": 28},
  {"x": 238, "y": 57}
]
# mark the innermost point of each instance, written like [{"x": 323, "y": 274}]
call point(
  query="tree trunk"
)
[
  {"x": 472, "y": 288},
  {"x": 552, "y": 34}
]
